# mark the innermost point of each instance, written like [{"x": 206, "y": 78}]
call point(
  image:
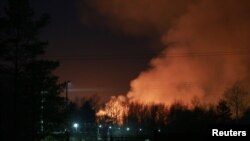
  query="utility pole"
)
[
  {"x": 67, "y": 83},
  {"x": 67, "y": 88}
]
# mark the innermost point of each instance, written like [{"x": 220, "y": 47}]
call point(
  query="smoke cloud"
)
[
  {"x": 133, "y": 17},
  {"x": 207, "y": 46}
]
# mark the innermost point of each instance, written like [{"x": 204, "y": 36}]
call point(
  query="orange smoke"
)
[
  {"x": 207, "y": 46},
  {"x": 206, "y": 53}
]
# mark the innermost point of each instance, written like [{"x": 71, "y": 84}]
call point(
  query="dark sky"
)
[
  {"x": 104, "y": 44},
  {"x": 96, "y": 60}
]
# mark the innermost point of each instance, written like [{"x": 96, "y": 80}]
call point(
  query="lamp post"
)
[
  {"x": 67, "y": 83},
  {"x": 109, "y": 133},
  {"x": 76, "y": 125},
  {"x": 109, "y": 128},
  {"x": 98, "y": 129},
  {"x": 98, "y": 132}
]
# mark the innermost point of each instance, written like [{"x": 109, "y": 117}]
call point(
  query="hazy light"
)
[
  {"x": 127, "y": 128},
  {"x": 110, "y": 127},
  {"x": 100, "y": 126},
  {"x": 75, "y": 125},
  {"x": 159, "y": 130},
  {"x": 140, "y": 129}
]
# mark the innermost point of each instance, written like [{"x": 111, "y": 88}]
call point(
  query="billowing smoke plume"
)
[
  {"x": 207, "y": 46},
  {"x": 134, "y": 17}
]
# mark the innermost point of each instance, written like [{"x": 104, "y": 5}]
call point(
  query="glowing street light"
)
[
  {"x": 98, "y": 129},
  {"x": 76, "y": 125},
  {"x": 127, "y": 128},
  {"x": 140, "y": 129},
  {"x": 159, "y": 130},
  {"x": 110, "y": 127}
]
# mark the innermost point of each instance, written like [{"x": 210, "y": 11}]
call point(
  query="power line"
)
[{"x": 147, "y": 56}]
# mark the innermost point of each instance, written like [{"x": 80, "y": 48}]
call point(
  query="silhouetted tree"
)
[
  {"x": 158, "y": 114},
  {"x": 245, "y": 119},
  {"x": 183, "y": 120},
  {"x": 178, "y": 118},
  {"x": 30, "y": 90},
  {"x": 134, "y": 116},
  {"x": 236, "y": 97},
  {"x": 72, "y": 115},
  {"x": 149, "y": 117},
  {"x": 223, "y": 112},
  {"x": 87, "y": 111}
]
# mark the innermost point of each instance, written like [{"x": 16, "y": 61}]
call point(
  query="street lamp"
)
[
  {"x": 76, "y": 125},
  {"x": 98, "y": 129},
  {"x": 127, "y": 128},
  {"x": 110, "y": 127}
]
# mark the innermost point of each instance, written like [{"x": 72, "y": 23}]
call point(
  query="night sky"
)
[
  {"x": 95, "y": 59},
  {"x": 151, "y": 51}
]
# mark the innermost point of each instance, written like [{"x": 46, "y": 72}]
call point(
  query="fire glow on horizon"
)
[
  {"x": 115, "y": 109},
  {"x": 207, "y": 46}
]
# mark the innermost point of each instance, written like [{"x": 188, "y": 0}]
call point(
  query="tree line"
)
[{"x": 232, "y": 109}]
